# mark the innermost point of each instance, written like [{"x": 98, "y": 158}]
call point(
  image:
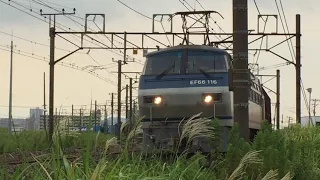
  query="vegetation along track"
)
[{"x": 14, "y": 159}]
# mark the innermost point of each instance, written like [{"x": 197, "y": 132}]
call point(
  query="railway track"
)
[
  {"x": 11, "y": 161},
  {"x": 27, "y": 157},
  {"x": 14, "y": 160}
]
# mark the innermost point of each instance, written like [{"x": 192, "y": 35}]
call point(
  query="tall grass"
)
[
  {"x": 291, "y": 153},
  {"x": 37, "y": 140}
]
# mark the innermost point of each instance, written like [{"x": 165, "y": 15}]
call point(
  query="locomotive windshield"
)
[
  {"x": 208, "y": 62},
  {"x": 159, "y": 63},
  {"x": 191, "y": 61}
]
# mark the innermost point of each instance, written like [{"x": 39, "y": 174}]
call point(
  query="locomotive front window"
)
[
  {"x": 209, "y": 62},
  {"x": 157, "y": 64}
]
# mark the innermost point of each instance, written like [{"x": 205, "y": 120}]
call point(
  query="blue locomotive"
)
[{"x": 179, "y": 82}]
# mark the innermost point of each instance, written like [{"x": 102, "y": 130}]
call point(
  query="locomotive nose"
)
[{"x": 177, "y": 104}]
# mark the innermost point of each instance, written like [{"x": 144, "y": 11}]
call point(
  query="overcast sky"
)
[{"x": 77, "y": 87}]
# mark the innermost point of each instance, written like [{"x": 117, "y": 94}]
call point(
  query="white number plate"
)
[{"x": 200, "y": 82}]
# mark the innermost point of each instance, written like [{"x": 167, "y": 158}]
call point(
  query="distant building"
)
[
  {"x": 75, "y": 122},
  {"x": 314, "y": 119},
  {"x": 35, "y": 115},
  {"x": 29, "y": 124},
  {"x": 4, "y": 122},
  {"x": 17, "y": 124}
]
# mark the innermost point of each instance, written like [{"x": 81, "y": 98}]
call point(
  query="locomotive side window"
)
[
  {"x": 251, "y": 95},
  {"x": 207, "y": 61},
  {"x": 156, "y": 64},
  {"x": 255, "y": 97}
]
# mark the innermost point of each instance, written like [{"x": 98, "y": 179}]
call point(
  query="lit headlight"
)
[
  {"x": 208, "y": 99},
  {"x": 157, "y": 100}
]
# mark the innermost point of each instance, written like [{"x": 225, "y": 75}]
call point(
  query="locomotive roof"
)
[{"x": 181, "y": 47}]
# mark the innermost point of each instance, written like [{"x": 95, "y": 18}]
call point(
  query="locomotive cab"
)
[{"x": 182, "y": 81}]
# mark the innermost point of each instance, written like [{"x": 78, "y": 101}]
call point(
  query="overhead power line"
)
[
  {"x": 31, "y": 10},
  {"x": 77, "y": 23},
  {"x": 45, "y": 5},
  {"x": 274, "y": 66},
  {"x": 189, "y": 5},
  {"x": 60, "y": 64},
  {"x": 139, "y": 61},
  {"x": 20, "y": 51},
  {"x": 136, "y": 10},
  {"x": 43, "y": 20},
  {"x": 285, "y": 20},
  {"x": 101, "y": 65},
  {"x": 264, "y": 29},
  {"x": 27, "y": 107},
  {"x": 261, "y": 42},
  {"x": 49, "y": 2},
  {"x": 57, "y": 24},
  {"x": 304, "y": 95},
  {"x": 291, "y": 48},
  {"x": 215, "y": 22},
  {"x": 35, "y": 42},
  {"x": 255, "y": 3},
  {"x": 284, "y": 30}
]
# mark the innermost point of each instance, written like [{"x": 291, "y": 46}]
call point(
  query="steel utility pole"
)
[
  {"x": 278, "y": 99},
  {"x": 52, "y": 34},
  {"x": 315, "y": 104},
  {"x": 276, "y": 121},
  {"x": 298, "y": 69},
  {"x": 240, "y": 64},
  {"x": 309, "y": 107},
  {"x": 51, "y": 81},
  {"x": 130, "y": 116},
  {"x": 119, "y": 98},
  {"x": 105, "y": 119},
  {"x": 289, "y": 120},
  {"x": 81, "y": 119},
  {"x": 10, "y": 91},
  {"x": 72, "y": 121},
  {"x": 130, "y": 89},
  {"x": 112, "y": 126},
  {"x": 95, "y": 115},
  {"x": 127, "y": 89},
  {"x": 44, "y": 103},
  {"x": 134, "y": 107}
]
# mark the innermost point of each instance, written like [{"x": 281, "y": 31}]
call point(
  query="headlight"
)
[
  {"x": 152, "y": 100},
  {"x": 208, "y": 99},
  {"x": 157, "y": 100}
]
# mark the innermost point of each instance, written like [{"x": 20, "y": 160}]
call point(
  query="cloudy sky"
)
[{"x": 78, "y": 87}]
